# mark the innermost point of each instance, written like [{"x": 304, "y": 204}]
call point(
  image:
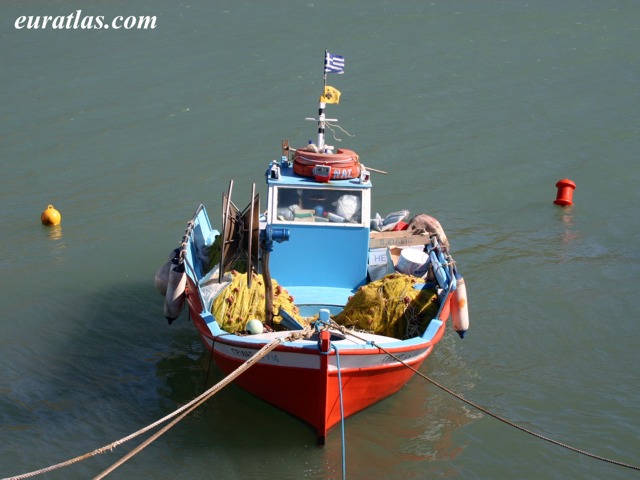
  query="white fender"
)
[
  {"x": 162, "y": 278},
  {"x": 459, "y": 307},
  {"x": 162, "y": 275},
  {"x": 174, "y": 298}
]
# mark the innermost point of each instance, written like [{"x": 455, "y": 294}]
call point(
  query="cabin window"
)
[{"x": 315, "y": 205}]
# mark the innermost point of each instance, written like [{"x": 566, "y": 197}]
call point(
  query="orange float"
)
[{"x": 50, "y": 216}]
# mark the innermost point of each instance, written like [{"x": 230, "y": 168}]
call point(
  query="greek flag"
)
[{"x": 333, "y": 63}]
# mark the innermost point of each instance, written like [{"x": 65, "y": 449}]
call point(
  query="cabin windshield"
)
[{"x": 316, "y": 205}]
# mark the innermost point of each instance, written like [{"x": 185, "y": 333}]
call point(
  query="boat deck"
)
[{"x": 357, "y": 340}]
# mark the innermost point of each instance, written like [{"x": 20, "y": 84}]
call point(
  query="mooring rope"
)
[
  {"x": 344, "y": 446},
  {"x": 182, "y": 412},
  {"x": 484, "y": 410},
  {"x": 206, "y": 378}
]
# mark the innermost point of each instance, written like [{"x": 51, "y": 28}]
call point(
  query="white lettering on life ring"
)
[{"x": 341, "y": 173}]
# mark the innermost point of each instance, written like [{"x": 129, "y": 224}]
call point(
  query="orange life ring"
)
[{"x": 345, "y": 164}]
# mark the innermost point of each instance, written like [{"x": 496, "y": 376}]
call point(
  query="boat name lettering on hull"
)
[
  {"x": 399, "y": 356},
  {"x": 242, "y": 353}
]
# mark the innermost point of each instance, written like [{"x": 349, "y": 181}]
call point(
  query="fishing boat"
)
[{"x": 355, "y": 302}]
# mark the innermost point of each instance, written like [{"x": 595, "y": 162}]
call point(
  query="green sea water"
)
[{"x": 475, "y": 110}]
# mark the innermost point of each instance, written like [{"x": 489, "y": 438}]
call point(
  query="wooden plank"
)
[{"x": 400, "y": 238}]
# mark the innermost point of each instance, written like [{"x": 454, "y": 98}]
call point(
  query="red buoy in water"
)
[{"x": 565, "y": 192}]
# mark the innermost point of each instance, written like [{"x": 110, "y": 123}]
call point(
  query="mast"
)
[
  {"x": 321, "y": 120},
  {"x": 332, "y": 64},
  {"x": 321, "y": 123},
  {"x": 321, "y": 105}
]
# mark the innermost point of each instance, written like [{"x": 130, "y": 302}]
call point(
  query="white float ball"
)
[{"x": 254, "y": 327}]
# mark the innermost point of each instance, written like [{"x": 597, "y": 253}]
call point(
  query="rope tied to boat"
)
[
  {"x": 342, "y": 429},
  {"x": 179, "y": 413},
  {"x": 182, "y": 252},
  {"x": 484, "y": 410}
]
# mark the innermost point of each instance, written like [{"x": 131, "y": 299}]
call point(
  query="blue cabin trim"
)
[{"x": 321, "y": 256}]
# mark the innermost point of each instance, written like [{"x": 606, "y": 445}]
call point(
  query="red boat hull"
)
[
  {"x": 313, "y": 395},
  {"x": 304, "y": 381}
]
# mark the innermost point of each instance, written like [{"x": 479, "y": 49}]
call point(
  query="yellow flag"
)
[{"x": 330, "y": 95}]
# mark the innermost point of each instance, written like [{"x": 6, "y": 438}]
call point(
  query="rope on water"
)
[
  {"x": 344, "y": 448},
  {"x": 206, "y": 378},
  {"x": 182, "y": 412},
  {"x": 491, "y": 414}
]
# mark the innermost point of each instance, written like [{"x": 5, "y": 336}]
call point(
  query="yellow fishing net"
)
[
  {"x": 391, "y": 306},
  {"x": 237, "y": 304}
]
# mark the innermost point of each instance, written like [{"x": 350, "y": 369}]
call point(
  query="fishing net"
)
[
  {"x": 237, "y": 304},
  {"x": 391, "y": 306}
]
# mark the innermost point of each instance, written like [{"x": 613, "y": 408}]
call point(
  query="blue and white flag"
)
[{"x": 333, "y": 63}]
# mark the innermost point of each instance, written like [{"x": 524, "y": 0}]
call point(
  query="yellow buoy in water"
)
[{"x": 51, "y": 216}]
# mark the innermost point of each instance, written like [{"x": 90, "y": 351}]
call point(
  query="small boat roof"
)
[{"x": 291, "y": 179}]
